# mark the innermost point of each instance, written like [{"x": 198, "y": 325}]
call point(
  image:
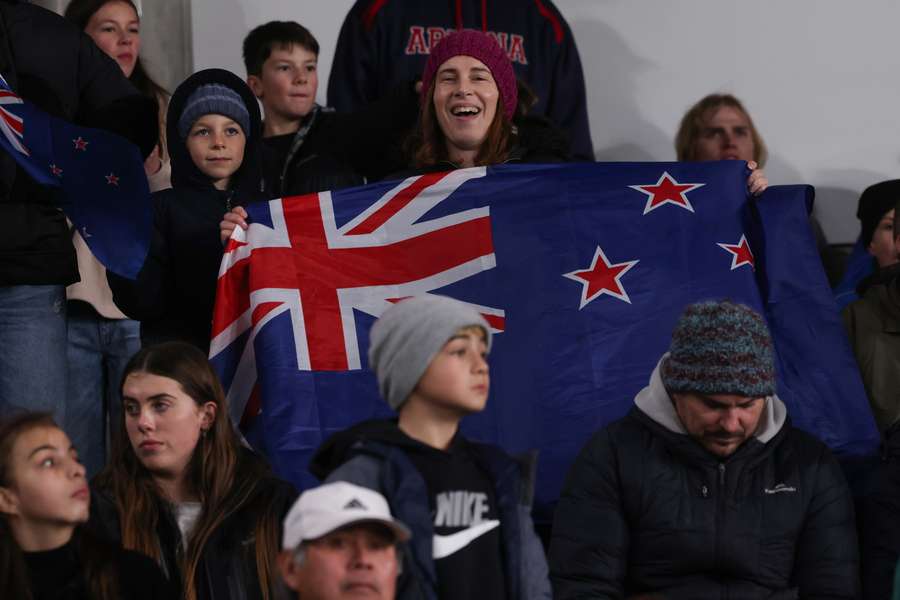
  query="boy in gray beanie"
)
[{"x": 467, "y": 504}]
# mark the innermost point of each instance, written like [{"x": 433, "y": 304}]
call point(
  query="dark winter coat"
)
[
  {"x": 879, "y": 522},
  {"x": 647, "y": 510},
  {"x": 227, "y": 569},
  {"x": 873, "y": 327},
  {"x": 343, "y": 150},
  {"x": 385, "y": 42},
  {"x": 51, "y": 63},
  {"x": 368, "y": 455},
  {"x": 175, "y": 291}
]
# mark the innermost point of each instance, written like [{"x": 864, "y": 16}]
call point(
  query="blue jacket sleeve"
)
[
  {"x": 567, "y": 104},
  {"x": 353, "y": 82}
]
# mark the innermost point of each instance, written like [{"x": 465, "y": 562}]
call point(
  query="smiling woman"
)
[
  {"x": 470, "y": 114},
  {"x": 181, "y": 488}
]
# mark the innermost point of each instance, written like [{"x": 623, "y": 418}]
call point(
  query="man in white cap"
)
[{"x": 340, "y": 541}]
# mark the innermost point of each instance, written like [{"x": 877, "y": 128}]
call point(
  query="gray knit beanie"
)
[
  {"x": 214, "y": 99},
  {"x": 408, "y": 335},
  {"x": 720, "y": 348}
]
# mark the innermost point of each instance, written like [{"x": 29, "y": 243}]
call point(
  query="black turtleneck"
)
[
  {"x": 56, "y": 574},
  {"x": 59, "y": 574}
]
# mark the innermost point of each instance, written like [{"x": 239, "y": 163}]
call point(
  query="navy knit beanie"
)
[
  {"x": 720, "y": 348},
  {"x": 214, "y": 99}
]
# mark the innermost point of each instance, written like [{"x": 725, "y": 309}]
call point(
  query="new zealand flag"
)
[
  {"x": 104, "y": 189},
  {"x": 582, "y": 271}
]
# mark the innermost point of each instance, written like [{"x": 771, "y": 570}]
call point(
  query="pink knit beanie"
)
[{"x": 469, "y": 42}]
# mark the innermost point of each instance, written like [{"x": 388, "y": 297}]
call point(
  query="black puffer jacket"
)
[
  {"x": 647, "y": 510},
  {"x": 175, "y": 292},
  {"x": 227, "y": 569},
  {"x": 55, "y": 66}
]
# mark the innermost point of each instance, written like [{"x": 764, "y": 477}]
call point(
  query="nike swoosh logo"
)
[{"x": 445, "y": 545}]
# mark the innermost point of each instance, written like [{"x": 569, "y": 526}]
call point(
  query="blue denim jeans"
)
[
  {"x": 98, "y": 351},
  {"x": 33, "y": 349}
]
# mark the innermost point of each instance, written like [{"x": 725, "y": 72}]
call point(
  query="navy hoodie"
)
[
  {"x": 385, "y": 42},
  {"x": 175, "y": 292}
]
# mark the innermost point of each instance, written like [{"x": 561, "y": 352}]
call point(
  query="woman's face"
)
[
  {"x": 47, "y": 486},
  {"x": 115, "y": 28},
  {"x": 163, "y": 423},
  {"x": 465, "y": 103}
]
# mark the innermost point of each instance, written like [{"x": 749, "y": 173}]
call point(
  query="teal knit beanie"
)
[{"x": 720, "y": 348}]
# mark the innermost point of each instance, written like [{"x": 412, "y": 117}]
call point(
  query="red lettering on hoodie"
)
[
  {"x": 416, "y": 43},
  {"x": 422, "y": 40}
]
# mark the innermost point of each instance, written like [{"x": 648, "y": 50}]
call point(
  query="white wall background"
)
[{"x": 820, "y": 77}]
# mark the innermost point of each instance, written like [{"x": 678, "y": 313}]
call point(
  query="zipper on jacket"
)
[{"x": 720, "y": 509}]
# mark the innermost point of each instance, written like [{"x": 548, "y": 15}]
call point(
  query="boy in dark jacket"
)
[
  {"x": 310, "y": 148},
  {"x": 704, "y": 490},
  {"x": 214, "y": 129},
  {"x": 465, "y": 503}
]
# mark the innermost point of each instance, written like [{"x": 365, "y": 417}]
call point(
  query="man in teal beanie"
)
[{"x": 705, "y": 490}]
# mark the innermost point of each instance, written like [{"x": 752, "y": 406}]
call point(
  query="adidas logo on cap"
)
[{"x": 355, "y": 503}]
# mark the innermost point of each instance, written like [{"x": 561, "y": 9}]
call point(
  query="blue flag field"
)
[
  {"x": 581, "y": 270},
  {"x": 103, "y": 187}
]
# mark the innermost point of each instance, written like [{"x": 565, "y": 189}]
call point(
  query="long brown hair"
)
[
  {"x": 96, "y": 558},
  {"x": 694, "y": 121},
  {"x": 224, "y": 481},
  {"x": 80, "y": 13},
  {"x": 428, "y": 144}
]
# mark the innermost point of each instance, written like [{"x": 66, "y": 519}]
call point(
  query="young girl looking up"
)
[
  {"x": 181, "y": 488},
  {"x": 43, "y": 500}
]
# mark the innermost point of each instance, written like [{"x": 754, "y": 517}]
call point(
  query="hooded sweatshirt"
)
[
  {"x": 646, "y": 509},
  {"x": 385, "y": 42},
  {"x": 174, "y": 293}
]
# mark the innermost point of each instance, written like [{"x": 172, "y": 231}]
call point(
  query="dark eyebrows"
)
[
  {"x": 150, "y": 399},
  {"x": 712, "y": 403},
  {"x": 44, "y": 447}
]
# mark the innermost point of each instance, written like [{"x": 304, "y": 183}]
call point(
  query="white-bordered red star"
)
[
  {"x": 602, "y": 278},
  {"x": 740, "y": 253},
  {"x": 112, "y": 179},
  {"x": 80, "y": 143},
  {"x": 667, "y": 191},
  {"x": 57, "y": 172}
]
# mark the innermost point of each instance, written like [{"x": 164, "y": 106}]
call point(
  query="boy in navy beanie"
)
[{"x": 467, "y": 504}]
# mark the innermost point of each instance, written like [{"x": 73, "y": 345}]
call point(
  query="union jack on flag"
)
[
  {"x": 11, "y": 124},
  {"x": 582, "y": 269}
]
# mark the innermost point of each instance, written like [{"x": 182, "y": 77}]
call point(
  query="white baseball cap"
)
[{"x": 321, "y": 510}]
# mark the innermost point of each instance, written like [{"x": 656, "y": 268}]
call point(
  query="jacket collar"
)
[{"x": 655, "y": 402}]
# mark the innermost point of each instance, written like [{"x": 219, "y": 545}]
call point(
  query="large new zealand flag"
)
[{"x": 581, "y": 270}]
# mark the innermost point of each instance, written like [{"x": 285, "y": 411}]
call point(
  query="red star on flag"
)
[
  {"x": 55, "y": 170},
  {"x": 80, "y": 143},
  {"x": 602, "y": 278},
  {"x": 741, "y": 254},
  {"x": 667, "y": 191},
  {"x": 112, "y": 179}
]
